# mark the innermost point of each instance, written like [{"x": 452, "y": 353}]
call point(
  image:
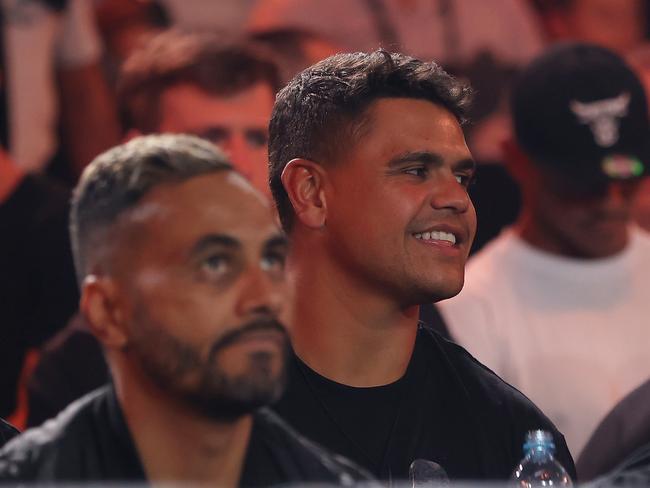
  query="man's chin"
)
[
  {"x": 229, "y": 408},
  {"x": 223, "y": 397},
  {"x": 435, "y": 292}
]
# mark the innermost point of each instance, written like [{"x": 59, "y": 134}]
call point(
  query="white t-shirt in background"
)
[{"x": 573, "y": 335}]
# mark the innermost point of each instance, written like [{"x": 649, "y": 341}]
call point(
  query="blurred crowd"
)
[{"x": 80, "y": 76}]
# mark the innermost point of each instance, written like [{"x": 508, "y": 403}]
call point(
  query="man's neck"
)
[
  {"x": 177, "y": 445},
  {"x": 346, "y": 332}
]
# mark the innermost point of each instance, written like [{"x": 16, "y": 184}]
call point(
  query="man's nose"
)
[
  {"x": 240, "y": 154},
  {"x": 449, "y": 193},
  {"x": 261, "y": 294}
]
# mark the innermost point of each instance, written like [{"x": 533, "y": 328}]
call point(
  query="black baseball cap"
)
[{"x": 579, "y": 109}]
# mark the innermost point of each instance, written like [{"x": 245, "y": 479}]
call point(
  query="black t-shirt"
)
[
  {"x": 90, "y": 441},
  {"x": 447, "y": 408}
]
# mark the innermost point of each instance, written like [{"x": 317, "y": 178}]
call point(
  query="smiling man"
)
[
  {"x": 369, "y": 170},
  {"x": 182, "y": 273}
]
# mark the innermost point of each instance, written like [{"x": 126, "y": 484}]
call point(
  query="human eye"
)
[
  {"x": 464, "y": 179},
  {"x": 418, "y": 171},
  {"x": 216, "y": 135},
  {"x": 215, "y": 265},
  {"x": 256, "y": 138},
  {"x": 274, "y": 261}
]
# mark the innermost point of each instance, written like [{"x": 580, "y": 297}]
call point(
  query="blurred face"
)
[
  {"x": 399, "y": 219},
  {"x": 576, "y": 220},
  {"x": 238, "y": 124},
  {"x": 203, "y": 279}
]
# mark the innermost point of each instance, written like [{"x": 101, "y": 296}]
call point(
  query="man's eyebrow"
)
[
  {"x": 211, "y": 240},
  {"x": 278, "y": 240},
  {"x": 465, "y": 164},
  {"x": 426, "y": 157}
]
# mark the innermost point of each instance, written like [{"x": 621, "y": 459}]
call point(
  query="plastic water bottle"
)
[
  {"x": 424, "y": 473},
  {"x": 539, "y": 468}
]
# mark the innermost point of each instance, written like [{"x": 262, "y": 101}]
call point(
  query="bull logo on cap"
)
[{"x": 603, "y": 117}]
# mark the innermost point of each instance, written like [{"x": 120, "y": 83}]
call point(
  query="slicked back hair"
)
[
  {"x": 119, "y": 178},
  {"x": 322, "y": 110},
  {"x": 217, "y": 64}
]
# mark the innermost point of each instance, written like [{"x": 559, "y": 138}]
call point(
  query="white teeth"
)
[{"x": 436, "y": 236}]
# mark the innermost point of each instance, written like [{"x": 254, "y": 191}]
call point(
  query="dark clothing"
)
[
  {"x": 633, "y": 471},
  {"x": 72, "y": 364},
  {"x": 7, "y": 431},
  {"x": 447, "y": 408},
  {"x": 90, "y": 441},
  {"x": 623, "y": 431},
  {"x": 430, "y": 317},
  {"x": 38, "y": 289}
]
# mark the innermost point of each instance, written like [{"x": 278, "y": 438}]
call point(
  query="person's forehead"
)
[
  {"x": 186, "y": 106},
  {"x": 221, "y": 202},
  {"x": 398, "y": 124}
]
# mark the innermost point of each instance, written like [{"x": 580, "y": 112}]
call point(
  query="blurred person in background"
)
[
  {"x": 369, "y": 171},
  {"x": 202, "y": 84},
  {"x": 181, "y": 266},
  {"x": 56, "y": 113},
  {"x": 557, "y": 305},
  {"x": 37, "y": 283},
  {"x": 176, "y": 82},
  {"x": 620, "y": 25},
  {"x": 124, "y": 25},
  {"x": 54, "y": 85}
]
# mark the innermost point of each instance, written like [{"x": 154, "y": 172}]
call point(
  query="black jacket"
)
[
  {"x": 90, "y": 441},
  {"x": 7, "y": 431}
]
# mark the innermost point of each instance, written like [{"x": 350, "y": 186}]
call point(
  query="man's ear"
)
[
  {"x": 101, "y": 306},
  {"x": 304, "y": 181}
]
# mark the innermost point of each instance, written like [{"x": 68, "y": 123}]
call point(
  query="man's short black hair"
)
[
  {"x": 322, "y": 110},
  {"x": 118, "y": 179},
  {"x": 215, "y": 63}
]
